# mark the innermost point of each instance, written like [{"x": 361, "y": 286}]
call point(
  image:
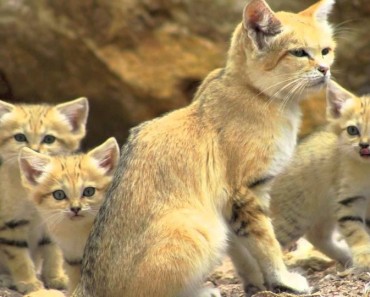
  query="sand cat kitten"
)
[
  {"x": 68, "y": 191},
  {"x": 194, "y": 180},
  {"x": 47, "y": 129},
  {"x": 327, "y": 184}
]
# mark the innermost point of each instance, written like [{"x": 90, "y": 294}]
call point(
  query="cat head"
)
[
  {"x": 69, "y": 187},
  {"x": 284, "y": 55},
  {"x": 349, "y": 117},
  {"x": 49, "y": 129}
]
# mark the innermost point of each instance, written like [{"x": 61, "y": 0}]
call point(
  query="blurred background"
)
[{"x": 137, "y": 59}]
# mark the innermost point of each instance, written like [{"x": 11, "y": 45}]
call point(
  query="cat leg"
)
[
  {"x": 246, "y": 267},
  {"x": 350, "y": 213},
  {"x": 253, "y": 229},
  {"x": 321, "y": 236},
  {"x": 52, "y": 272},
  {"x": 73, "y": 270}
]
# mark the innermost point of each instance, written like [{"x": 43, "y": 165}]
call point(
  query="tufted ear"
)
[
  {"x": 75, "y": 112},
  {"x": 320, "y": 10},
  {"x": 336, "y": 96},
  {"x": 32, "y": 165},
  {"x": 5, "y": 108},
  {"x": 260, "y": 22},
  {"x": 106, "y": 155}
]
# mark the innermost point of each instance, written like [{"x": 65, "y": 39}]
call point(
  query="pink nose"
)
[{"x": 323, "y": 69}]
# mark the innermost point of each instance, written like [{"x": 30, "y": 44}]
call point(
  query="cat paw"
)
[
  {"x": 361, "y": 261},
  {"x": 59, "y": 282},
  {"x": 6, "y": 281},
  {"x": 291, "y": 283},
  {"x": 27, "y": 287},
  {"x": 250, "y": 289},
  {"x": 209, "y": 292}
]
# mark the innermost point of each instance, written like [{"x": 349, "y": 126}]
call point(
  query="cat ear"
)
[
  {"x": 260, "y": 22},
  {"x": 32, "y": 165},
  {"x": 5, "y": 108},
  {"x": 320, "y": 11},
  {"x": 106, "y": 155},
  {"x": 75, "y": 111},
  {"x": 336, "y": 96}
]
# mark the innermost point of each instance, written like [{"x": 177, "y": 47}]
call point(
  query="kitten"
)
[
  {"x": 68, "y": 191},
  {"x": 50, "y": 130},
  {"x": 326, "y": 186},
  {"x": 196, "y": 180}
]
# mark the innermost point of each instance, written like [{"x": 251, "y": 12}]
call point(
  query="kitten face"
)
[
  {"x": 291, "y": 54},
  {"x": 43, "y": 128},
  {"x": 69, "y": 187}
]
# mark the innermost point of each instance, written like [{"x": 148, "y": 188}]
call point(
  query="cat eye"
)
[
  {"x": 325, "y": 51},
  {"x": 20, "y": 137},
  {"x": 59, "y": 195},
  {"x": 48, "y": 139},
  {"x": 353, "y": 130},
  {"x": 88, "y": 192},
  {"x": 299, "y": 53}
]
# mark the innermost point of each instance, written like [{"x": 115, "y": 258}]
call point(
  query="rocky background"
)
[{"x": 136, "y": 59}]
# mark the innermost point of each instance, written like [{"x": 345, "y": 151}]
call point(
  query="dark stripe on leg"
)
[
  {"x": 17, "y": 243},
  {"x": 351, "y": 219},
  {"x": 73, "y": 262},
  {"x": 350, "y": 200},
  {"x": 44, "y": 241},
  {"x": 14, "y": 224}
]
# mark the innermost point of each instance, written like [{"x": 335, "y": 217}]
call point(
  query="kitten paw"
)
[
  {"x": 251, "y": 289},
  {"x": 292, "y": 283},
  {"x": 209, "y": 292},
  {"x": 361, "y": 261},
  {"x": 6, "y": 281},
  {"x": 27, "y": 287},
  {"x": 60, "y": 282}
]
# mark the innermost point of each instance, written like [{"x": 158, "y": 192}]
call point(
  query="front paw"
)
[
  {"x": 292, "y": 283},
  {"x": 59, "y": 282},
  {"x": 251, "y": 289},
  {"x": 27, "y": 287},
  {"x": 361, "y": 261}
]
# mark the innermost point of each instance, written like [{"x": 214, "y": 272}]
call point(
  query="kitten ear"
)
[
  {"x": 75, "y": 111},
  {"x": 320, "y": 11},
  {"x": 336, "y": 96},
  {"x": 260, "y": 22},
  {"x": 106, "y": 155},
  {"x": 5, "y": 108},
  {"x": 32, "y": 165}
]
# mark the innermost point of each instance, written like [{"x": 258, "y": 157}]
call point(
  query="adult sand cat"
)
[
  {"x": 327, "y": 184},
  {"x": 47, "y": 129},
  {"x": 194, "y": 180},
  {"x": 68, "y": 191}
]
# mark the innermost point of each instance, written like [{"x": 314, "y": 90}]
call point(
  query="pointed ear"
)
[
  {"x": 336, "y": 96},
  {"x": 75, "y": 111},
  {"x": 32, "y": 165},
  {"x": 320, "y": 11},
  {"x": 106, "y": 155},
  {"x": 5, "y": 108},
  {"x": 260, "y": 22}
]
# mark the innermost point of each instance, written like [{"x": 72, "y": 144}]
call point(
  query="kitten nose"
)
[
  {"x": 75, "y": 209},
  {"x": 323, "y": 69},
  {"x": 364, "y": 145}
]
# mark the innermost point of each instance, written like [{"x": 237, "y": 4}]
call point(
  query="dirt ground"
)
[{"x": 325, "y": 278}]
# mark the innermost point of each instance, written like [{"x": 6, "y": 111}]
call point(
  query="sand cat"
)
[
  {"x": 195, "y": 181},
  {"x": 68, "y": 191},
  {"x": 47, "y": 129},
  {"x": 327, "y": 184}
]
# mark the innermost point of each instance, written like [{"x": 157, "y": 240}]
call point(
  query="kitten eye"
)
[
  {"x": 88, "y": 192},
  {"x": 299, "y": 53},
  {"x": 325, "y": 51},
  {"x": 59, "y": 195},
  {"x": 20, "y": 137},
  {"x": 49, "y": 139},
  {"x": 353, "y": 130}
]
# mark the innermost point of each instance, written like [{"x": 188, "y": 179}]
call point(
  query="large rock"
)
[{"x": 136, "y": 59}]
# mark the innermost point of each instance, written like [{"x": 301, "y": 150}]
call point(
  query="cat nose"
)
[
  {"x": 323, "y": 69},
  {"x": 76, "y": 210},
  {"x": 364, "y": 145}
]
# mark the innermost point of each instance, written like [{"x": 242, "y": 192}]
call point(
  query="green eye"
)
[
  {"x": 299, "y": 53},
  {"x": 20, "y": 137},
  {"x": 353, "y": 130},
  {"x": 88, "y": 192},
  {"x": 59, "y": 195},
  {"x": 49, "y": 139},
  {"x": 325, "y": 51}
]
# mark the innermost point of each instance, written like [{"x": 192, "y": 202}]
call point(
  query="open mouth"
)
[{"x": 365, "y": 152}]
